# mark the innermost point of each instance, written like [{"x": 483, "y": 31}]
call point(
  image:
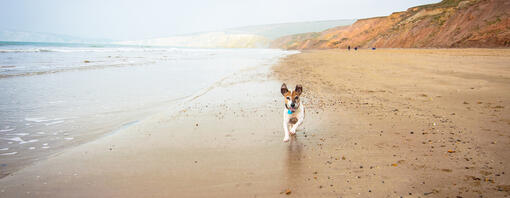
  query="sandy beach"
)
[{"x": 383, "y": 123}]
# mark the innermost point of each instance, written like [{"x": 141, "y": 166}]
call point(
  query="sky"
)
[{"x": 143, "y": 19}]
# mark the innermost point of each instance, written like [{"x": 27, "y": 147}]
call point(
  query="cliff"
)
[
  {"x": 450, "y": 23},
  {"x": 259, "y": 36},
  {"x": 206, "y": 40}
]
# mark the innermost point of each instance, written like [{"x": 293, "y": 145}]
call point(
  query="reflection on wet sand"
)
[{"x": 293, "y": 162}]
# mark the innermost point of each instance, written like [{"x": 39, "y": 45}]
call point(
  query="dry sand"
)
[{"x": 384, "y": 123}]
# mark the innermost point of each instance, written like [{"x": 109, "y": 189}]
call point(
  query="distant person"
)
[
  {"x": 356, "y": 48},
  {"x": 373, "y": 48},
  {"x": 349, "y": 48}
]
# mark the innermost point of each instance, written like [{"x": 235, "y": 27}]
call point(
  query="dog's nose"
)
[{"x": 292, "y": 105}]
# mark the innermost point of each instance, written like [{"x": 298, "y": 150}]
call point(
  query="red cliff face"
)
[{"x": 450, "y": 23}]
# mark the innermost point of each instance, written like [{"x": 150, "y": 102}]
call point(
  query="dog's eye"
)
[
  {"x": 296, "y": 98},
  {"x": 288, "y": 98}
]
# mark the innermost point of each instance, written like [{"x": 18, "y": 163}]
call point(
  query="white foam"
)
[
  {"x": 19, "y": 140},
  {"x": 4, "y": 149},
  {"x": 19, "y": 134},
  {"x": 69, "y": 138},
  {"x": 16, "y": 139},
  {"x": 6, "y": 130},
  {"x": 43, "y": 119},
  {"x": 11, "y": 153},
  {"x": 31, "y": 148},
  {"x": 38, "y": 119},
  {"x": 52, "y": 123},
  {"x": 45, "y": 147},
  {"x": 30, "y": 141},
  {"x": 56, "y": 102}
]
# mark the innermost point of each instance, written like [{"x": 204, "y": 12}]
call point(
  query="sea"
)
[{"x": 59, "y": 95}]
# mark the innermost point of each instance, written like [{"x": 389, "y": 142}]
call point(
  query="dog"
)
[{"x": 294, "y": 111}]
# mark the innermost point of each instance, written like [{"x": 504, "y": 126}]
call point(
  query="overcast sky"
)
[{"x": 140, "y": 19}]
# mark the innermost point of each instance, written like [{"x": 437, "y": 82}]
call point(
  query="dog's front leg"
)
[
  {"x": 298, "y": 123},
  {"x": 295, "y": 126},
  {"x": 286, "y": 130}
]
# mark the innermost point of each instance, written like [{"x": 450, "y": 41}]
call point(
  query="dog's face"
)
[{"x": 292, "y": 99}]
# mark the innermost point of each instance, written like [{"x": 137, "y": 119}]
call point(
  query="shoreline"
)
[
  {"x": 369, "y": 131},
  {"x": 103, "y": 145},
  {"x": 57, "y": 111}
]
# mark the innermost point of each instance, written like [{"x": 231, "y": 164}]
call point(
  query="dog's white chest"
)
[{"x": 293, "y": 117}]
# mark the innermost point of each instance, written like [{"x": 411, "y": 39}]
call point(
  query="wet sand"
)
[{"x": 384, "y": 123}]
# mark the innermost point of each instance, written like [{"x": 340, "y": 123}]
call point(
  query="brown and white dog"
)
[{"x": 294, "y": 111}]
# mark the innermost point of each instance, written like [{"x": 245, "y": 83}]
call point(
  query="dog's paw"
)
[{"x": 286, "y": 139}]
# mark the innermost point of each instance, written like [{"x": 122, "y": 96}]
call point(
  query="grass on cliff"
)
[{"x": 442, "y": 4}]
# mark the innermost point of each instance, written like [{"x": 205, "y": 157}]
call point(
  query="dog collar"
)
[{"x": 289, "y": 111}]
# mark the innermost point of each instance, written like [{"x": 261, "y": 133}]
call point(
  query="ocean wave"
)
[
  {"x": 100, "y": 50},
  {"x": 20, "y": 140},
  {"x": 75, "y": 68},
  {"x": 41, "y": 119},
  {"x": 7, "y": 130},
  {"x": 114, "y": 49},
  {"x": 25, "y": 50}
]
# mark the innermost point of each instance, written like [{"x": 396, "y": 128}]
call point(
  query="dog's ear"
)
[
  {"x": 299, "y": 89},
  {"x": 284, "y": 89}
]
